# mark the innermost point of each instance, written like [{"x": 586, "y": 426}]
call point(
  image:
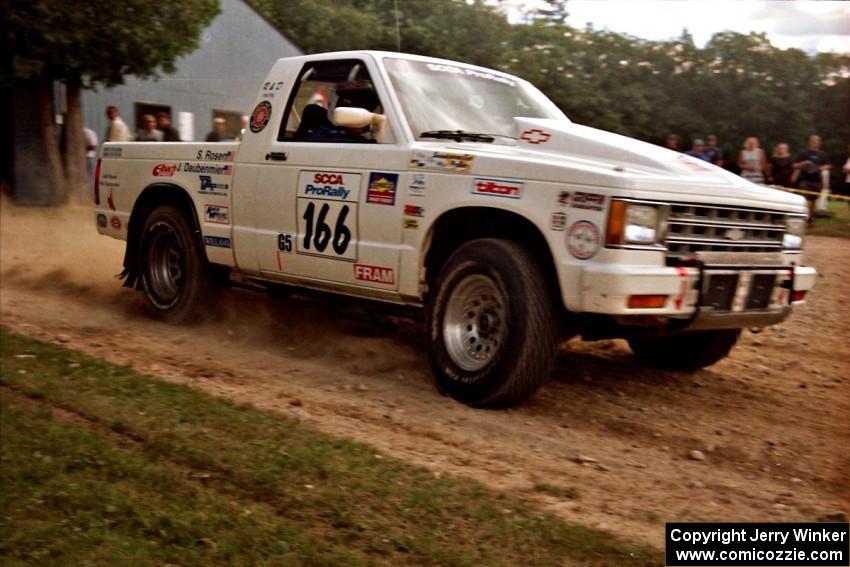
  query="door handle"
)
[{"x": 277, "y": 156}]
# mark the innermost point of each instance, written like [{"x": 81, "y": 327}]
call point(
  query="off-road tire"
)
[
  {"x": 522, "y": 346},
  {"x": 685, "y": 351},
  {"x": 175, "y": 277}
]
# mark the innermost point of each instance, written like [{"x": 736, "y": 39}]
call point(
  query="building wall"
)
[{"x": 235, "y": 52}]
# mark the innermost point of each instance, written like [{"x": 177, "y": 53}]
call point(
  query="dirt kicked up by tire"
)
[{"x": 492, "y": 334}]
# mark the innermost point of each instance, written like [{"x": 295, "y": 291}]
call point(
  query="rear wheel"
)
[
  {"x": 174, "y": 273},
  {"x": 685, "y": 351},
  {"x": 491, "y": 327}
]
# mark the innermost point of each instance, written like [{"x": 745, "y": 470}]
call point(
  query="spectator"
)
[
  {"x": 846, "y": 170},
  {"x": 672, "y": 142},
  {"x": 712, "y": 152},
  {"x": 163, "y": 122},
  {"x": 149, "y": 133},
  {"x": 698, "y": 150},
  {"x": 752, "y": 161},
  {"x": 117, "y": 131},
  {"x": 91, "y": 150},
  {"x": 217, "y": 134},
  {"x": 781, "y": 166},
  {"x": 809, "y": 165}
]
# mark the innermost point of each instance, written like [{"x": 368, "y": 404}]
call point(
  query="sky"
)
[{"x": 811, "y": 25}]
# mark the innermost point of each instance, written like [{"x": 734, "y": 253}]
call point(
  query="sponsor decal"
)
[
  {"x": 207, "y": 169},
  {"x": 272, "y": 86},
  {"x": 467, "y": 72},
  {"x": 497, "y": 187},
  {"x": 446, "y": 161},
  {"x": 217, "y": 214},
  {"x": 217, "y": 241},
  {"x": 559, "y": 221},
  {"x": 583, "y": 240},
  {"x": 417, "y": 185},
  {"x": 112, "y": 152},
  {"x": 210, "y": 155},
  {"x": 101, "y": 220},
  {"x": 535, "y": 136},
  {"x": 414, "y": 211},
  {"x": 260, "y": 116},
  {"x": 115, "y": 223},
  {"x": 564, "y": 198},
  {"x": 210, "y": 187},
  {"x": 164, "y": 169},
  {"x": 334, "y": 185},
  {"x": 410, "y": 223},
  {"x": 590, "y": 201},
  {"x": 374, "y": 274},
  {"x": 381, "y": 189}
]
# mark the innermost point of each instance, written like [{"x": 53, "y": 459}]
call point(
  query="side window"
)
[{"x": 322, "y": 88}]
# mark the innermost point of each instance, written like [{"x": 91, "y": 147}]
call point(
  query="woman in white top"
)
[{"x": 752, "y": 161}]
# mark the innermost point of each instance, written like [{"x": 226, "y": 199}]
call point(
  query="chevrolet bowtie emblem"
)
[{"x": 734, "y": 234}]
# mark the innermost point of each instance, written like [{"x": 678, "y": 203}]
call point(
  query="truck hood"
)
[{"x": 604, "y": 158}]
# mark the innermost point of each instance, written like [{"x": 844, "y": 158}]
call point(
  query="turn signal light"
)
[
  {"x": 798, "y": 295},
  {"x": 616, "y": 223},
  {"x": 647, "y": 301}
]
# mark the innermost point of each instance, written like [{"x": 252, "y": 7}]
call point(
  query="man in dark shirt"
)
[
  {"x": 809, "y": 165},
  {"x": 698, "y": 150},
  {"x": 164, "y": 125},
  {"x": 218, "y": 133},
  {"x": 712, "y": 152}
]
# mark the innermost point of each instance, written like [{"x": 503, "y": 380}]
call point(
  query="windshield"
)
[{"x": 440, "y": 96}]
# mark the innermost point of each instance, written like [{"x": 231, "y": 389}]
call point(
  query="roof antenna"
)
[{"x": 397, "y": 28}]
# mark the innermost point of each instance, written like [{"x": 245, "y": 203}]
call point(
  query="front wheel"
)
[
  {"x": 685, "y": 351},
  {"x": 492, "y": 333},
  {"x": 174, "y": 273}
]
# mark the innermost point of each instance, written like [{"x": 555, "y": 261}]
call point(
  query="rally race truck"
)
[{"x": 466, "y": 195}]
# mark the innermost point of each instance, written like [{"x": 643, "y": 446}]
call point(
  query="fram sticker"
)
[
  {"x": 497, "y": 187},
  {"x": 382, "y": 188},
  {"x": 446, "y": 161},
  {"x": 583, "y": 240},
  {"x": 217, "y": 241},
  {"x": 331, "y": 185},
  {"x": 217, "y": 214},
  {"x": 260, "y": 116},
  {"x": 559, "y": 221},
  {"x": 590, "y": 201},
  {"x": 374, "y": 274},
  {"x": 535, "y": 136}
]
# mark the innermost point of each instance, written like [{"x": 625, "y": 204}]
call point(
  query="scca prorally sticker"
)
[
  {"x": 559, "y": 221},
  {"x": 583, "y": 240},
  {"x": 260, "y": 116}
]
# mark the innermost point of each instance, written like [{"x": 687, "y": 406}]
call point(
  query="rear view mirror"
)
[{"x": 349, "y": 117}]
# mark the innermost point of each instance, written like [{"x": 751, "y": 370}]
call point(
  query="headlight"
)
[
  {"x": 635, "y": 223},
  {"x": 795, "y": 229}
]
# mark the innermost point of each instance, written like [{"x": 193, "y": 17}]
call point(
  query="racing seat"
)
[{"x": 313, "y": 117}]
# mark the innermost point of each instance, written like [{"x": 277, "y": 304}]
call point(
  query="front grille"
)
[{"x": 713, "y": 228}]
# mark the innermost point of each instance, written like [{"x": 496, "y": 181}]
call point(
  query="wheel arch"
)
[
  {"x": 457, "y": 226},
  {"x": 151, "y": 197}
]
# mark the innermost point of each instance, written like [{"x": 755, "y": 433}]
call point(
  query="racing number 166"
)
[{"x": 318, "y": 233}]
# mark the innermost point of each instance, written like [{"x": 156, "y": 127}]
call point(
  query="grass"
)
[
  {"x": 836, "y": 225},
  {"x": 101, "y": 465}
]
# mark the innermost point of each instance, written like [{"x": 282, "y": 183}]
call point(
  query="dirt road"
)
[{"x": 606, "y": 442}]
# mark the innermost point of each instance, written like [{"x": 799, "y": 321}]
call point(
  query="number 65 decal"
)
[{"x": 328, "y": 229}]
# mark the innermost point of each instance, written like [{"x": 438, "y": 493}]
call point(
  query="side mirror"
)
[{"x": 349, "y": 117}]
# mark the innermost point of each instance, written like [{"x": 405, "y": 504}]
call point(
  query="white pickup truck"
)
[{"x": 466, "y": 192}]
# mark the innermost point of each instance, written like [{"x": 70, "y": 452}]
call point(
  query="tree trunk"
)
[
  {"x": 47, "y": 124},
  {"x": 75, "y": 142}
]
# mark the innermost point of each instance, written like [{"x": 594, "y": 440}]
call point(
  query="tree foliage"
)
[{"x": 736, "y": 86}]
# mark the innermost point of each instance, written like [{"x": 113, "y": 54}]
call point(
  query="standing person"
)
[
  {"x": 752, "y": 161},
  {"x": 809, "y": 165},
  {"x": 698, "y": 150},
  {"x": 846, "y": 170},
  {"x": 712, "y": 152},
  {"x": 672, "y": 142},
  {"x": 91, "y": 150},
  {"x": 217, "y": 134},
  {"x": 781, "y": 166},
  {"x": 149, "y": 133},
  {"x": 163, "y": 122},
  {"x": 117, "y": 131}
]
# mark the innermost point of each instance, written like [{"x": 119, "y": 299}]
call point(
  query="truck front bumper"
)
[{"x": 701, "y": 296}]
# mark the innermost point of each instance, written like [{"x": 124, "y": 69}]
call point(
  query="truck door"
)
[{"x": 328, "y": 201}]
